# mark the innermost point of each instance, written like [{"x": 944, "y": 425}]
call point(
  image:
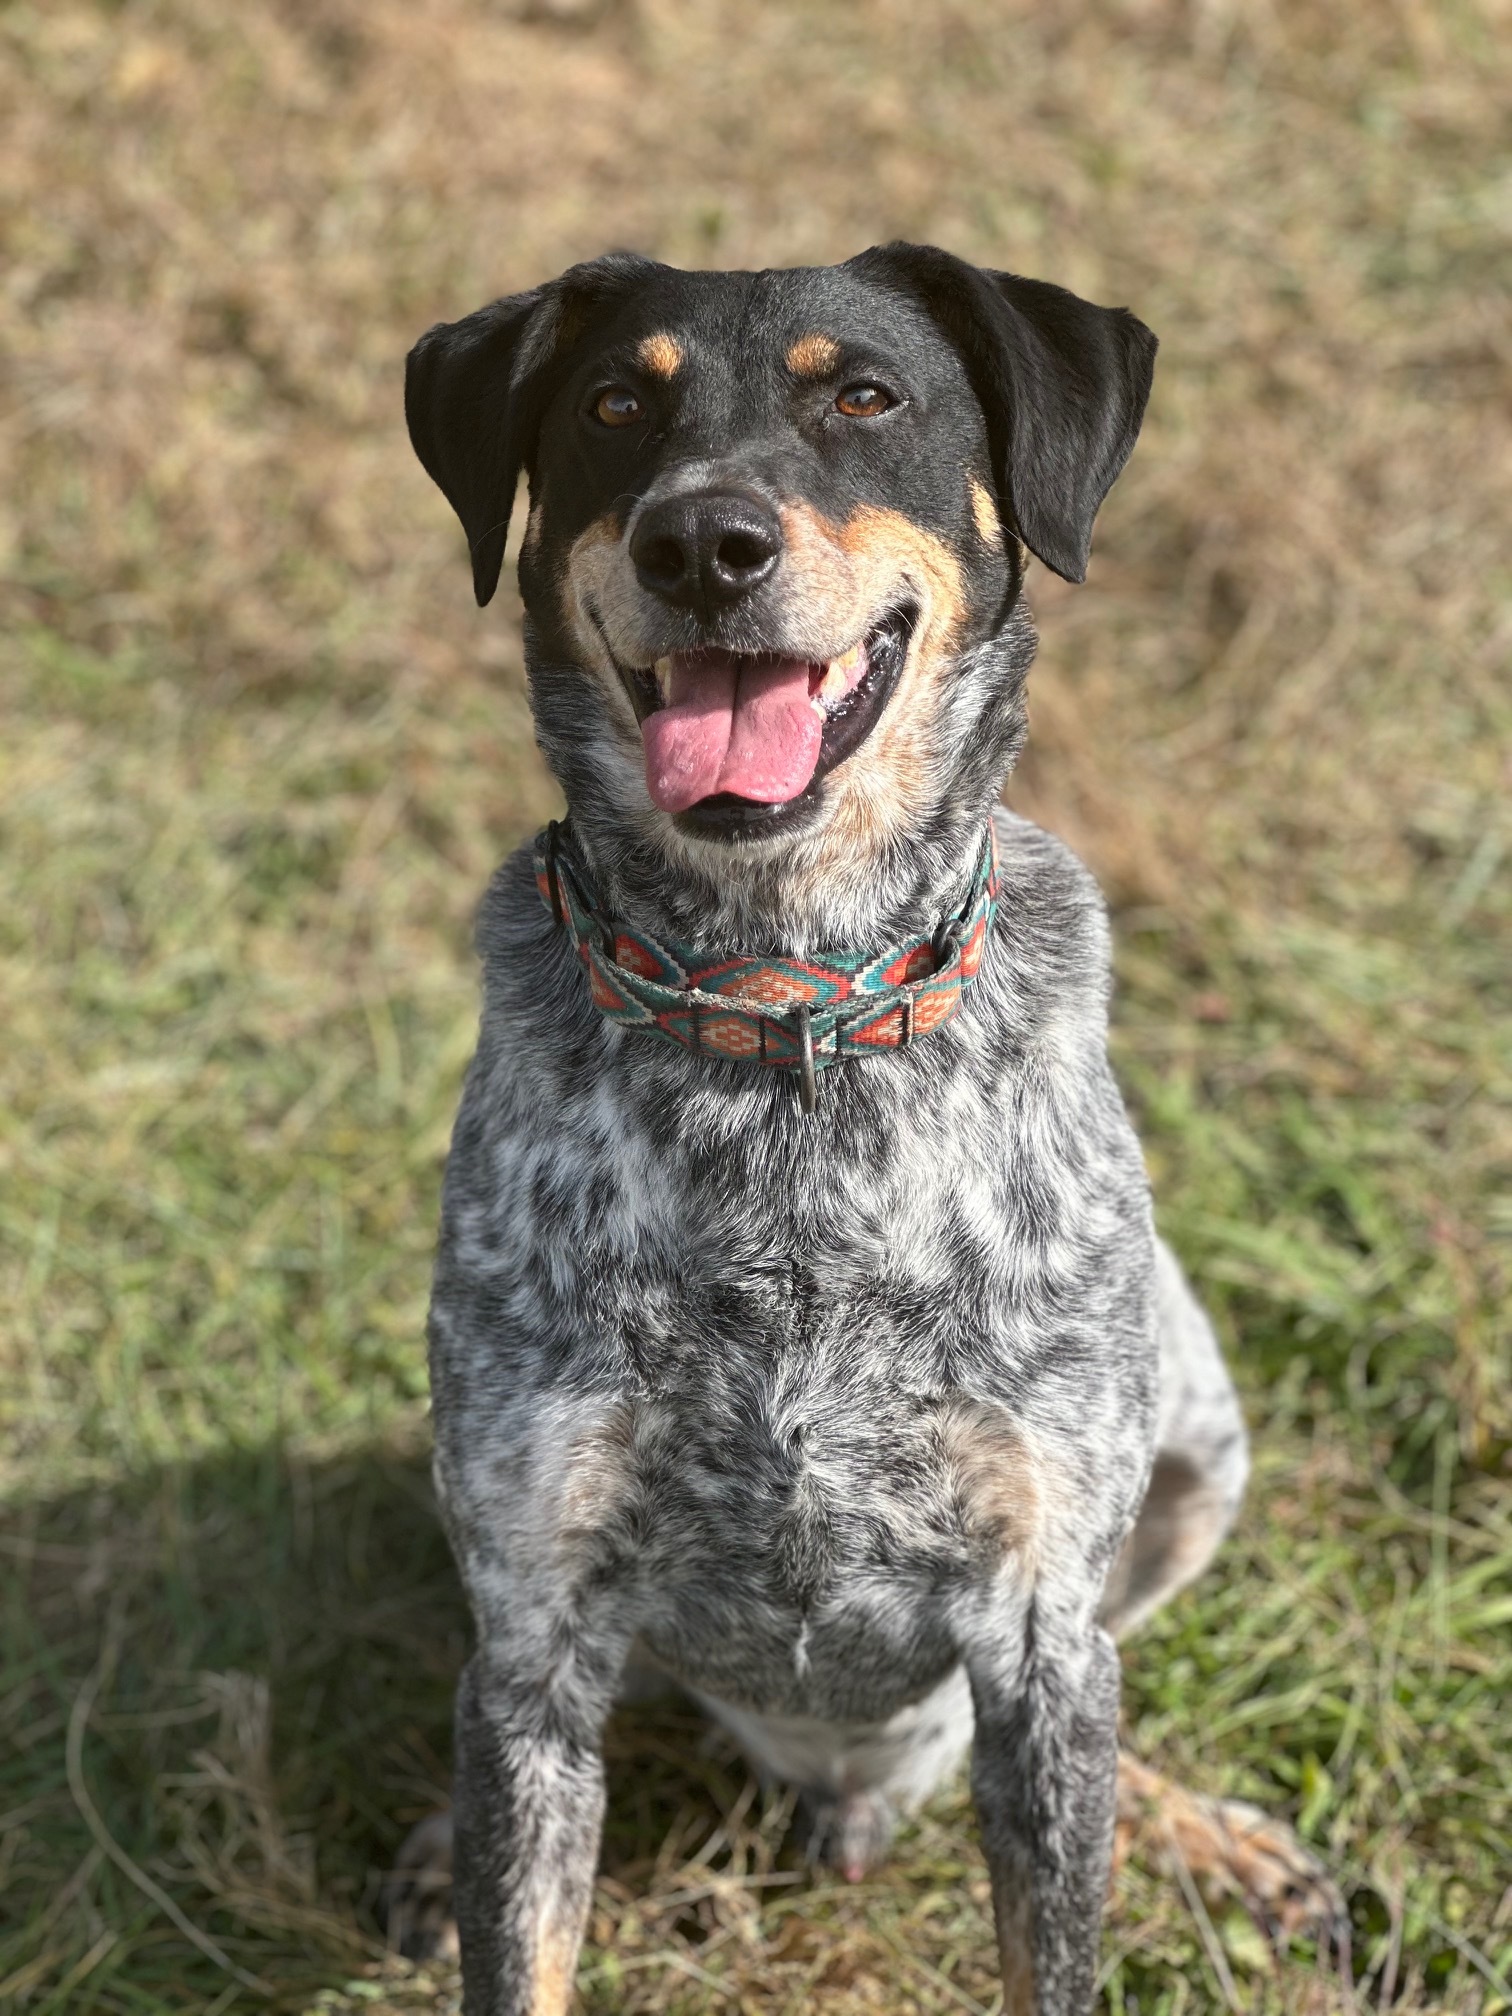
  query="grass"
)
[{"x": 260, "y": 754}]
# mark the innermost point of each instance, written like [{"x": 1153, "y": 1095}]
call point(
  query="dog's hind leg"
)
[
  {"x": 416, "y": 1900},
  {"x": 1229, "y": 1848},
  {"x": 1201, "y": 1461}
]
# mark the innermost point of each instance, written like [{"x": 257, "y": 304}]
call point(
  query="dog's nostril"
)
[
  {"x": 742, "y": 553},
  {"x": 662, "y": 560}
]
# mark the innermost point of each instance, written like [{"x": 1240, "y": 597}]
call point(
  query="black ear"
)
[
  {"x": 475, "y": 391},
  {"x": 1063, "y": 385}
]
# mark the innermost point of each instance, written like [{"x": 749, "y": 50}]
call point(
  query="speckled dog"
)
[{"x": 799, "y": 1330}]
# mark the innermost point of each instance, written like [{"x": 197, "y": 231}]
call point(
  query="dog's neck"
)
[{"x": 803, "y": 900}]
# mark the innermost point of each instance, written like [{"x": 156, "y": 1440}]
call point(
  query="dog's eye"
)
[
  {"x": 618, "y": 407},
  {"x": 863, "y": 402}
]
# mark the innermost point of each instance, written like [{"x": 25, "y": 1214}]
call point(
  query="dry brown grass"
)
[
  {"x": 225, "y": 230},
  {"x": 261, "y": 752}
]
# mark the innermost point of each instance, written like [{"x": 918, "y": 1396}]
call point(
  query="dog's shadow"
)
[{"x": 245, "y": 1666}]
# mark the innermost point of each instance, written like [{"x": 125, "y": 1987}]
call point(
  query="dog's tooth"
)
[
  {"x": 663, "y": 670},
  {"x": 836, "y": 682},
  {"x": 832, "y": 686}
]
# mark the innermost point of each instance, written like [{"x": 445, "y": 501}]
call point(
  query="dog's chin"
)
[{"x": 736, "y": 821}]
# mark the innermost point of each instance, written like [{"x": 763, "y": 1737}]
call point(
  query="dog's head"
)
[{"x": 776, "y": 528}]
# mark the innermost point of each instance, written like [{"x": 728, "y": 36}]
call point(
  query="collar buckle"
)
[{"x": 808, "y": 1077}]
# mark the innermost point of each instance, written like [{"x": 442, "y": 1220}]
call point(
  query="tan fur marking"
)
[
  {"x": 532, "y": 537},
  {"x": 598, "y": 1471},
  {"x": 813, "y": 356},
  {"x": 848, "y": 575},
  {"x": 555, "y": 1969},
  {"x": 1232, "y": 1849},
  {"x": 985, "y": 512},
  {"x": 892, "y": 543},
  {"x": 661, "y": 354},
  {"x": 559, "y": 1499},
  {"x": 1014, "y": 1914},
  {"x": 995, "y": 1478}
]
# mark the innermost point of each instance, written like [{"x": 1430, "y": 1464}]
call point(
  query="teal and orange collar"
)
[{"x": 790, "y": 1014}]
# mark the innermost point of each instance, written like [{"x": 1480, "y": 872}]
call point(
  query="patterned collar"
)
[{"x": 790, "y": 1014}]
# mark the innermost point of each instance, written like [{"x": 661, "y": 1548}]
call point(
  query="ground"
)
[{"x": 260, "y": 752}]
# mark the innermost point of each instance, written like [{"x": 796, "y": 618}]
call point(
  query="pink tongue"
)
[{"x": 745, "y": 726}]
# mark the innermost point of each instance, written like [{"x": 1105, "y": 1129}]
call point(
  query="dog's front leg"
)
[
  {"x": 528, "y": 1809},
  {"x": 1043, "y": 1775}
]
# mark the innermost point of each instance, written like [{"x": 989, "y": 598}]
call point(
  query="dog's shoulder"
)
[
  {"x": 513, "y": 930},
  {"x": 1053, "y": 962},
  {"x": 532, "y": 976}
]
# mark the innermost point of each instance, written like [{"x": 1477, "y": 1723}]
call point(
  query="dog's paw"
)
[
  {"x": 417, "y": 1893},
  {"x": 1231, "y": 1849},
  {"x": 851, "y": 1833}
]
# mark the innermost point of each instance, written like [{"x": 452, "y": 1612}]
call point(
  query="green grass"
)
[{"x": 259, "y": 756}]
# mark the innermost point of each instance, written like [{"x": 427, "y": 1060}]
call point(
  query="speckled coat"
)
[{"x": 841, "y": 1421}]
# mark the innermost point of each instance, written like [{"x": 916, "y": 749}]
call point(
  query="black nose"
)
[{"x": 706, "y": 549}]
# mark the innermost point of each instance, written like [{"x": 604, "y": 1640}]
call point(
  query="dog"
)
[{"x": 799, "y": 1332}]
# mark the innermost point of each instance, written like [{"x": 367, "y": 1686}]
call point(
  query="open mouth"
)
[{"x": 737, "y": 740}]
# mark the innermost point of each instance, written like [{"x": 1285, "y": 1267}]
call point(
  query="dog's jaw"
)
[
  {"x": 858, "y": 861},
  {"x": 848, "y": 701}
]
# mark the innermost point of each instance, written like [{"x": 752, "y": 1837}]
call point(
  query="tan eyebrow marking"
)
[
  {"x": 813, "y": 356},
  {"x": 661, "y": 354},
  {"x": 986, "y": 513}
]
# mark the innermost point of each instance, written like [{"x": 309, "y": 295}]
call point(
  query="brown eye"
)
[
  {"x": 618, "y": 407},
  {"x": 863, "y": 402}
]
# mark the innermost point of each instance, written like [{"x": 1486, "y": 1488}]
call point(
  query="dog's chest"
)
[
  {"x": 807, "y": 1520},
  {"x": 794, "y": 1395}
]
